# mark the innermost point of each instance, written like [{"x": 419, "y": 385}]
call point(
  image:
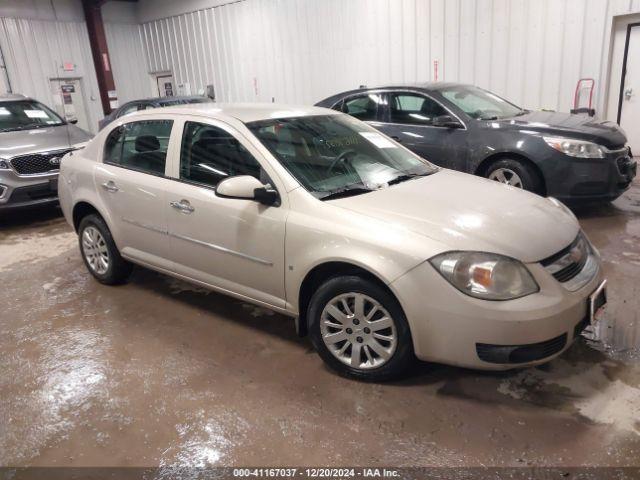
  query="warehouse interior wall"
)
[
  {"x": 43, "y": 41},
  {"x": 128, "y": 61},
  {"x": 531, "y": 51},
  {"x": 300, "y": 51}
]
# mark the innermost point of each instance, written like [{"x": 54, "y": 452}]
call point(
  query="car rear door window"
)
[
  {"x": 210, "y": 154},
  {"x": 139, "y": 146},
  {"x": 414, "y": 109},
  {"x": 363, "y": 107}
]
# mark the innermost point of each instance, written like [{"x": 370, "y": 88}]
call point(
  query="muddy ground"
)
[{"x": 159, "y": 373}]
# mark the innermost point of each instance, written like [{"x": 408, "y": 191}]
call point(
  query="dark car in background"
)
[
  {"x": 137, "y": 105},
  {"x": 33, "y": 140},
  {"x": 463, "y": 127}
]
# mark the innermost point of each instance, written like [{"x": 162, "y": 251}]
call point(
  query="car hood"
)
[
  {"x": 602, "y": 132},
  {"x": 22, "y": 142},
  {"x": 464, "y": 212}
]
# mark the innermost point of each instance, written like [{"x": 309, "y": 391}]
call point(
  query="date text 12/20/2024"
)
[{"x": 315, "y": 472}]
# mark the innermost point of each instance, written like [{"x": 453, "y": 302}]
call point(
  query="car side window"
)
[
  {"x": 139, "y": 146},
  {"x": 363, "y": 107},
  {"x": 210, "y": 154},
  {"x": 414, "y": 109},
  {"x": 132, "y": 107}
]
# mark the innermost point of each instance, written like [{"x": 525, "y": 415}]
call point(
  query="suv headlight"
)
[
  {"x": 4, "y": 165},
  {"x": 575, "y": 148},
  {"x": 488, "y": 276}
]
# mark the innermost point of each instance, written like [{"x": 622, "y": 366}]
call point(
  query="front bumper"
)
[
  {"x": 27, "y": 190},
  {"x": 450, "y": 327},
  {"x": 581, "y": 180}
]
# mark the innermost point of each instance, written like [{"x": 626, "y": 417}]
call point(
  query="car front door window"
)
[
  {"x": 414, "y": 109},
  {"x": 210, "y": 154},
  {"x": 363, "y": 107}
]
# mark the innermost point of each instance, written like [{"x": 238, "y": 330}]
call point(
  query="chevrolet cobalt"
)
[{"x": 378, "y": 254}]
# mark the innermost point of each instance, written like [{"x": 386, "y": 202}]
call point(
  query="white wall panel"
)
[
  {"x": 34, "y": 52},
  {"x": 531, "y": 51},
  {"x": 128, "y": 62}
]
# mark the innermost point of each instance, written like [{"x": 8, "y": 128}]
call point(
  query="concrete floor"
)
[{"x": 158, "y": 373}]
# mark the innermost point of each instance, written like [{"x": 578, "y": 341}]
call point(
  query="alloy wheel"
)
[
  {"x": 358, "y": 331},
  {"x": 506, "y": 176},
  {"x": 95, "y": 251}
]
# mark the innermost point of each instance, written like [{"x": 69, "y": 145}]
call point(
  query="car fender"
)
[
  {"x": 334, "y": 234},
  {"x": 77, "y": 185},
  {"x": 501, "y": 144}
]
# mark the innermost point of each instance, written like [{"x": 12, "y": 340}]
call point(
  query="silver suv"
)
[{"x": 33, "y": 139}]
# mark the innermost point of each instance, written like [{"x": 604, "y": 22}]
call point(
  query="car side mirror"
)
[
  {"x": 446, "y": 121},
  {"x": 248, "y": 188}
]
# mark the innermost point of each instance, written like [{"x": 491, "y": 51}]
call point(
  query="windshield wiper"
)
[
  {"x": 346, "y": 192},
  {"x": 406, "y": 176}
]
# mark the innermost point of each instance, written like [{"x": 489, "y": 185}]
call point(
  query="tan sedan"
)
[{"x": 379, "y": 255}]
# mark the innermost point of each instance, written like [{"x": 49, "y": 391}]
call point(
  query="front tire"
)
[
  {"x": 359, "y": 329},
  {"x": 99, "y": 252},
  {"x": 515, "y": 173}
]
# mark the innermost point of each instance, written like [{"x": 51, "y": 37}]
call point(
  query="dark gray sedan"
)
[
  {"x": 137, "y": 105},
  {"x": 570, "y": 157}
]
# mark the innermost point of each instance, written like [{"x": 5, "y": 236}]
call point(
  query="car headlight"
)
[
  {"x": 4, "y": 165},
  {"x": 488, "y": 276},
  {"x": 575, "y": 148}
]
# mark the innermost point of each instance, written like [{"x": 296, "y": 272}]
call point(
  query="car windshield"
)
[
  {"x": 480, "y": 104},
  {"x": 26, "y": 115},
  {"x": 334, "y": 154}
]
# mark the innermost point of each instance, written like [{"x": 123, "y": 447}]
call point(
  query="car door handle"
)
[
  {"x": 110, "y": 186},
  {"x": 628, "y": 93},
  {"x": 183, "y": 205}
]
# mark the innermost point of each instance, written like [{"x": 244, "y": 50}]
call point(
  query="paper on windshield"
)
[
  {"x": 378, "y": 140},
  {"x": 36, "y": 114}
]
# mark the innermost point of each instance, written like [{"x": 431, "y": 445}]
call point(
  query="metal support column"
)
[{"x": 100, "y": 52}]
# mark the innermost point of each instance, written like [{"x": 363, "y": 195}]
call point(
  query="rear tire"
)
[
  {"x": 359, "y": 329},
  {"x": 515, "y": 173},
  {"x": 99, "y": 252}
]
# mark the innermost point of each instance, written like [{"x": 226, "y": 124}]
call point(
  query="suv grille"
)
[
  {"x": 570, "y": 261},
  {"x": 38, "y": 162}
]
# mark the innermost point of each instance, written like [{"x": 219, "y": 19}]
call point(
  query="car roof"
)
[
  {"x": 169, "y": 99},
  {"x": 245, "y": 112},
  {"x": 12, "y": 97},
  {"x": 425, "y": 86}
]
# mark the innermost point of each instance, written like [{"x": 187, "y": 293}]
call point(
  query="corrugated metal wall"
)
[
  {"x": 531, "y": 51},
  {"x": 34, "y": 52},
  {"x": 128, "y": 61}
]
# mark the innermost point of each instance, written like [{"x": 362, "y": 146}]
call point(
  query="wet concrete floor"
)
[{"x": 159, "y": 373}]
